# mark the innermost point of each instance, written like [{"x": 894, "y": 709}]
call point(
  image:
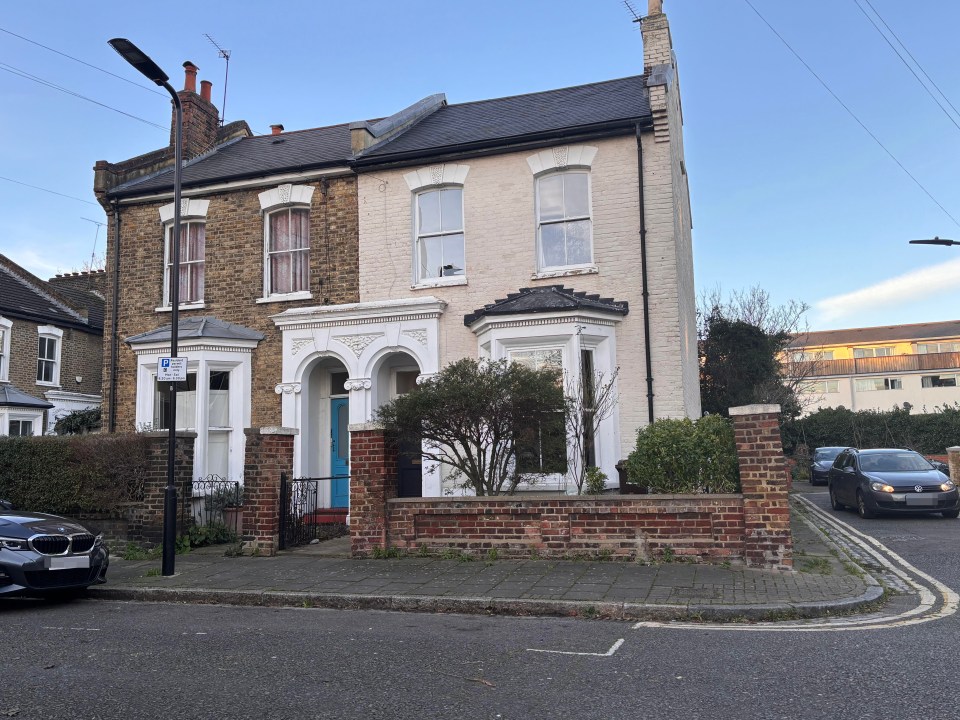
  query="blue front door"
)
[{"x": 339, "y": 452}]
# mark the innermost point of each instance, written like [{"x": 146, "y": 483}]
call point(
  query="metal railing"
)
[
  {"x": 303, "y": 516},
  {"x": 211, "y": 499}
]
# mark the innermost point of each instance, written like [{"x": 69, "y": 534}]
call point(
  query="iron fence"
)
[
  {"x": 303, "y": 517},
  {"x": 212, "y": 499}
]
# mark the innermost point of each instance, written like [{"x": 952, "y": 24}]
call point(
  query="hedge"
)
[
  {"x": 928, "y": 433},
  {"x": 682, "y": 456},
  {"x": 73, "y": 474}
]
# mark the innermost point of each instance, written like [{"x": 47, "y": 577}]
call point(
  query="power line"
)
[
  {"x": 906, "y": 64},
  {"x": 851, "y": 113},
  {"x": 53, "y": 192},
  {"x": 34, "y": 78},
  {"x": 915, "y": 61},
  {"x": 83, "y": 62}
]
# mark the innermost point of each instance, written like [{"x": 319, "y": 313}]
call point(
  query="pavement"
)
[{"x": 823, "y": 583}]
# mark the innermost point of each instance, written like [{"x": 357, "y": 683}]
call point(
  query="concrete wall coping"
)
[
  {"x": 164, "y": 433},
  {"x": 955, "y": 448},
  {"x": 361, "y": 427},
  {"x": 754, "y": 410},
  {"x": 277, "y": 430}
]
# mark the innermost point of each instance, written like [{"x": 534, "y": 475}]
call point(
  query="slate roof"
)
[
  {"x": 10, "y": 396},
  {"x": 84, "y": 299},
  {"x": 252, "y": 157},
  {"x": 882, "y": 333},
  {"x": 200, "y": 327},
  {"x": 512, "y": 118},
  {"x": 482, "y": 123},
  {"x": 28, "y": 297},
  {"x": 549, "y": 298}
]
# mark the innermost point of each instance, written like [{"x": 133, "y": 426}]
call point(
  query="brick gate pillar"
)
[
  {"x": 268, "y": 452},
  {"x": 765, "y": 484},
  {"x": 147, "y": 523},
  {"x": 953, "y": 459},
  {"x": 373, "y": 481}
]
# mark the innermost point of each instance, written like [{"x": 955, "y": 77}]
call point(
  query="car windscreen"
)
[
  {"x": 826, "y": 454},
  {"x": 894, "y": 462}
]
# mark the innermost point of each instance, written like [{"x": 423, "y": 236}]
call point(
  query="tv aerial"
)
[{"x": 225, "y": 54}]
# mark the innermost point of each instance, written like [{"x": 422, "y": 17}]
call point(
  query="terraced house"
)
[{"x": 326, "y": 271}]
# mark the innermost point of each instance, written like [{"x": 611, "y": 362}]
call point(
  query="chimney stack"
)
[
  {"x": 201, "y": 119},
  {"x": 277, "y": 129}
]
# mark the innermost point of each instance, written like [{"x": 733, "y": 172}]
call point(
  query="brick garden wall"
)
[{"x": 752, "y": 527}]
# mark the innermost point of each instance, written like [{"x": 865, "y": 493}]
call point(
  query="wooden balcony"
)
[{"x": 876, "y": 365}]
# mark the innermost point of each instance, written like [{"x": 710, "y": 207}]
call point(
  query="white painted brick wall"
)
[{"x": 500, "y": 231}]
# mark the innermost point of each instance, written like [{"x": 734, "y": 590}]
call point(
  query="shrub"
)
[
  {"x": 67, "y": 475},
  {"x": 928, "y": 433},
  {"x": 596, "y": 481},
  {"x": 682, "y": 456}
]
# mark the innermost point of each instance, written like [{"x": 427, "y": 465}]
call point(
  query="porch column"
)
[
  {"x": 373, "y": 481},
  {"x": 765, "y": 484},
  {"x": 268, "y": 452}
]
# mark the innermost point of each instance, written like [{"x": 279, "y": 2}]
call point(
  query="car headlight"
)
[
  {"x": 13, "y": 544},
  {"x": 947, "y": 486},
  {"x": 880, "y": 487}
]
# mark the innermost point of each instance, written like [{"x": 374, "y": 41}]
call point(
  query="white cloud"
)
[{"x": 909, "y": 287}]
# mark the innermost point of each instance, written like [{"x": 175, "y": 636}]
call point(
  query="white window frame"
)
[
  {"x": 192, "y": 210},
  {"x": 924, "y": 347},
  {"x": 448, "y": 176},
  {"x": 541, "y": 267},
  {"x": 954, "y": 376},
  {"x": 418, "y": 237},
  {"x": 868, "y": 352},
  {"x": 6, "y": 330},
  {"x": 205, "y": 356},
  {"x": 889, "y": 383},
  {"x": 812, "y": 355},
  {"x": 284, "y": 197},
  {"x": 821, "y": 387},
  {"x": 49, "y": 332}
]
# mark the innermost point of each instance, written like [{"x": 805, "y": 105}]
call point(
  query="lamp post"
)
[
  {"x": 935, "y": 241},
  {"x": 149, "y": 69}
]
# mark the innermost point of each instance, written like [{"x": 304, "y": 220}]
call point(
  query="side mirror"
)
[{"x": 6, "y": 505}]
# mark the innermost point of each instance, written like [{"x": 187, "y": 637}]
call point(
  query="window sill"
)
[
  {"x": 440, "y": 282},
  {"x": 183, "y": 306},
  {"x": 48, "y": 384},
  {"x": 565, "y": 272},
  {"x": 286, "y": 297}
]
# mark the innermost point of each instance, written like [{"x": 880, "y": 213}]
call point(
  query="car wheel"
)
[
  {"x": 834, "y": 503},
  {"x": 862, "y": 509},
  {"x": 951, "y": 514}
]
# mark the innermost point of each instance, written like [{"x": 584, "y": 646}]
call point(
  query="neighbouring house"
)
[
  {"x": 879, "y": 368},
  {"x": 51, "y": 347},
  {"x": 326, "y": 271}
]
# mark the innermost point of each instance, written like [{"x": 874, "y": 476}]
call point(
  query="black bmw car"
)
[
  {"x": 891, "y": 481},
  {"x": 45, "y": 554},
  {"x": 821, "y": 462}
]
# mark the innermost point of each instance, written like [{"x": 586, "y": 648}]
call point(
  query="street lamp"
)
[
  {"x": 136, "y": 57},
  {"x": 935, "y": 241}
]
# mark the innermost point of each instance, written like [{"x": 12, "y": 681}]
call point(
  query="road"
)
[{"x": 91, "y": 659}]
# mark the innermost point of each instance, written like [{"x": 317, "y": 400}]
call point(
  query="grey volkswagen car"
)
[
  {"x": 46, "y": 554},
  {"x": 894, "y": 481}
]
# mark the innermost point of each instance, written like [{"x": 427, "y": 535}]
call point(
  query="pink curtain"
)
[{"x": 289, "y": 251}]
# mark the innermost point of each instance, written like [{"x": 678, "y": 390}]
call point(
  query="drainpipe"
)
[
  {"x": 112, "y": 421},
  {"x": 646, "y": 288}
]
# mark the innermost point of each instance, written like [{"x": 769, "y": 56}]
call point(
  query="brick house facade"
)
[
  {"x": 374, "y": 315},
  {"x": 51, "y": 347}
]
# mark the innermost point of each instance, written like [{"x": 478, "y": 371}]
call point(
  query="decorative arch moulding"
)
[
  {"x": 189, "y": 208},
  {"x": 285, "y": 195},
  {"x": 436, "y": 175},
  {"x": 562, "y": 157}
]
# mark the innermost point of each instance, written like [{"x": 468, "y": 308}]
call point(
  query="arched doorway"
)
[
  {"x": 324, "y": 429},
  {"x": 397, "y": 375}
]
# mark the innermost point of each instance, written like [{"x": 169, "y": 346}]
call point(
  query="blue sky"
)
[{"x": 788, "y": 191}]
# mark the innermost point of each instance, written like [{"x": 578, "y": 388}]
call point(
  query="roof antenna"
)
[
  {"x": 629, "y": 7},
  {"x": 225, "y": 54},
  {"x": 93, "y": 253}
]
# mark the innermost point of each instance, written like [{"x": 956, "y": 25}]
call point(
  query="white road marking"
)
[
  {"x": 81, "y": 629},
  {"x": 924, "y": 611},
  {"x": 608, "y": 653}
]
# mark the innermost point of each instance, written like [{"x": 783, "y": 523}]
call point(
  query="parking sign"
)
[{"x": 172, "y": 369}]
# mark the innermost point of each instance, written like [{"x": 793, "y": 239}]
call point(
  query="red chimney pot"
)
[
  {"x": 205, "y": 86},
  {"x": 277, "y": 129},
  {"x": 190, "y": 77}
]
